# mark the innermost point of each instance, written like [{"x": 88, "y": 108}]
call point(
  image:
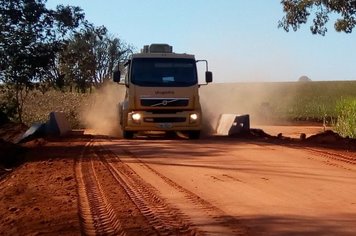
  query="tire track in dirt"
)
[
  {"x": 165, "y": 219},
  {"x": 97, "y": 216},
  {"x": 349, "y": 158},
  {"x": 216, "y": 214}
]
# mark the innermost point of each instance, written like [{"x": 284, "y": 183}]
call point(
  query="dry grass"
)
[
  {"x": 38, "y": 106},
  {"x": 308, "y": 101}
]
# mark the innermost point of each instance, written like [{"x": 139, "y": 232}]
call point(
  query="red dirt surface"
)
[
  {"x": 216, "y": 185},
  {"x": 40, "y": 196}
]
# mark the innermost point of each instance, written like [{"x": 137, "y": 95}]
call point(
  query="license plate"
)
[{"x": 165, "y": 125}]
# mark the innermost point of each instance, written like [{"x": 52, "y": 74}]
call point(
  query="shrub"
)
[
  {"x": 346, "y": 121},
  {"x": 7, "y": 107},
  {"x": 38, "y": 106}
]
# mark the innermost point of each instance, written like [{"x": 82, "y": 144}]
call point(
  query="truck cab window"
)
[{"x": 165, "y": 73}]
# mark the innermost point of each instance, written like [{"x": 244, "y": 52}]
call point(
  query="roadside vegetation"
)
[
  {"x": 45, "y": 49},
  {"x": 280, "y": 102},
  {"x": 343, "y": 14},
  {"x": 311, "y": 101},
  {"x": 299, "y": 12},
  {"x": 38, "y": 106},
  {"x": 331, "y": 103},
  {"x": 346, "y": 120}
]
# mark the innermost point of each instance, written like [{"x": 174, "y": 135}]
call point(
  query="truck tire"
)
[
  {"x": 128, "y": 134},
  {"x": 194, "y": 134}
]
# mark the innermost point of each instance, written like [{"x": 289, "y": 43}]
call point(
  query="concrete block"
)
[
  {"x": 230, "y": 124},
  {"x": 57, "y": 124},
  {"x": 35, "y": 131}
]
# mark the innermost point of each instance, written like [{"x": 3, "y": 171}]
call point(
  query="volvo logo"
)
[{"x": 164, "y": 102}]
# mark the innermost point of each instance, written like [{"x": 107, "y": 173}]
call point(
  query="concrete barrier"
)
[
  {"x": 57, "y": 124},
  {"x": 230, "y": 124},
  {"x": 37, "y": 130}
]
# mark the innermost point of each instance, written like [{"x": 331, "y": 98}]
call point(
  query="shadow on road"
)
[{"x": 301, "y": 225}]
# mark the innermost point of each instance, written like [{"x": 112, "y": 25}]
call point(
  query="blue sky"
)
[{"x": 240, "y": 39}]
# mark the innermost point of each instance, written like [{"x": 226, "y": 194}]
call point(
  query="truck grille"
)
[
  {"x": 160, "y": 111},
  {"x": 164, "y": 102},
  {"x": 164, "y": 119}
]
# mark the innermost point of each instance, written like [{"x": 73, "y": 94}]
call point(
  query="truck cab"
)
[{"x": 161, "y": 92}]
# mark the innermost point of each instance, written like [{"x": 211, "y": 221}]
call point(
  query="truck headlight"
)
[
  {"x": 136, "y": 117},
  {"x": 193, "y": 117}
]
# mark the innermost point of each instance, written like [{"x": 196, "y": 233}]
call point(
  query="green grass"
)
[
  {"x": 311, "y": 100},
  {"x": 346, "y": 121}
]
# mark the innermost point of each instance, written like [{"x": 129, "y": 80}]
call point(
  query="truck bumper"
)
[{"x": 153, "y": 121}]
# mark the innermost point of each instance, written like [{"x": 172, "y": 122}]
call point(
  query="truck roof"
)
[
  {"x": 163, "y": 55},
  {"x": 159, "y": 50}
]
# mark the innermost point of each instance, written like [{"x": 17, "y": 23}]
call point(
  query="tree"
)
[
  {"x": 90, "y": 56},
  {"x": 77, "y": 61},
  {"x": 304, "y": 78},
  {"x": 297, "y": 12},
  {"x": 31, "y": 36},
  {"x": 110, "y": 53}
]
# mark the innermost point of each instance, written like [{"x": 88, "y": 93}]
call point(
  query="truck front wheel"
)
[{"x": 128, "y": 134}]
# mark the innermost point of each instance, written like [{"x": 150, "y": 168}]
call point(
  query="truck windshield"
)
[{"x": 163, "y": 72}]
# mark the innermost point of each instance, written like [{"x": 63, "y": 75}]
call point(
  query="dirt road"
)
[{"x": 214, "y": 186}]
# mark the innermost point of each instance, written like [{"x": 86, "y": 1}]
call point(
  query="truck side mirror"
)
[
  {"x": 208, "y": 77},
  {"x": 116, "y": 76}
]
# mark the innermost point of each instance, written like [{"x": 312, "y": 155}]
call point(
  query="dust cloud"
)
[
  {"x": 256, "y": 99},
  {"x": 101, "y": 114}
]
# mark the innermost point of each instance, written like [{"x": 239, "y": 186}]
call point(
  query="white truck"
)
[{"x": 161, "y": 92}]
